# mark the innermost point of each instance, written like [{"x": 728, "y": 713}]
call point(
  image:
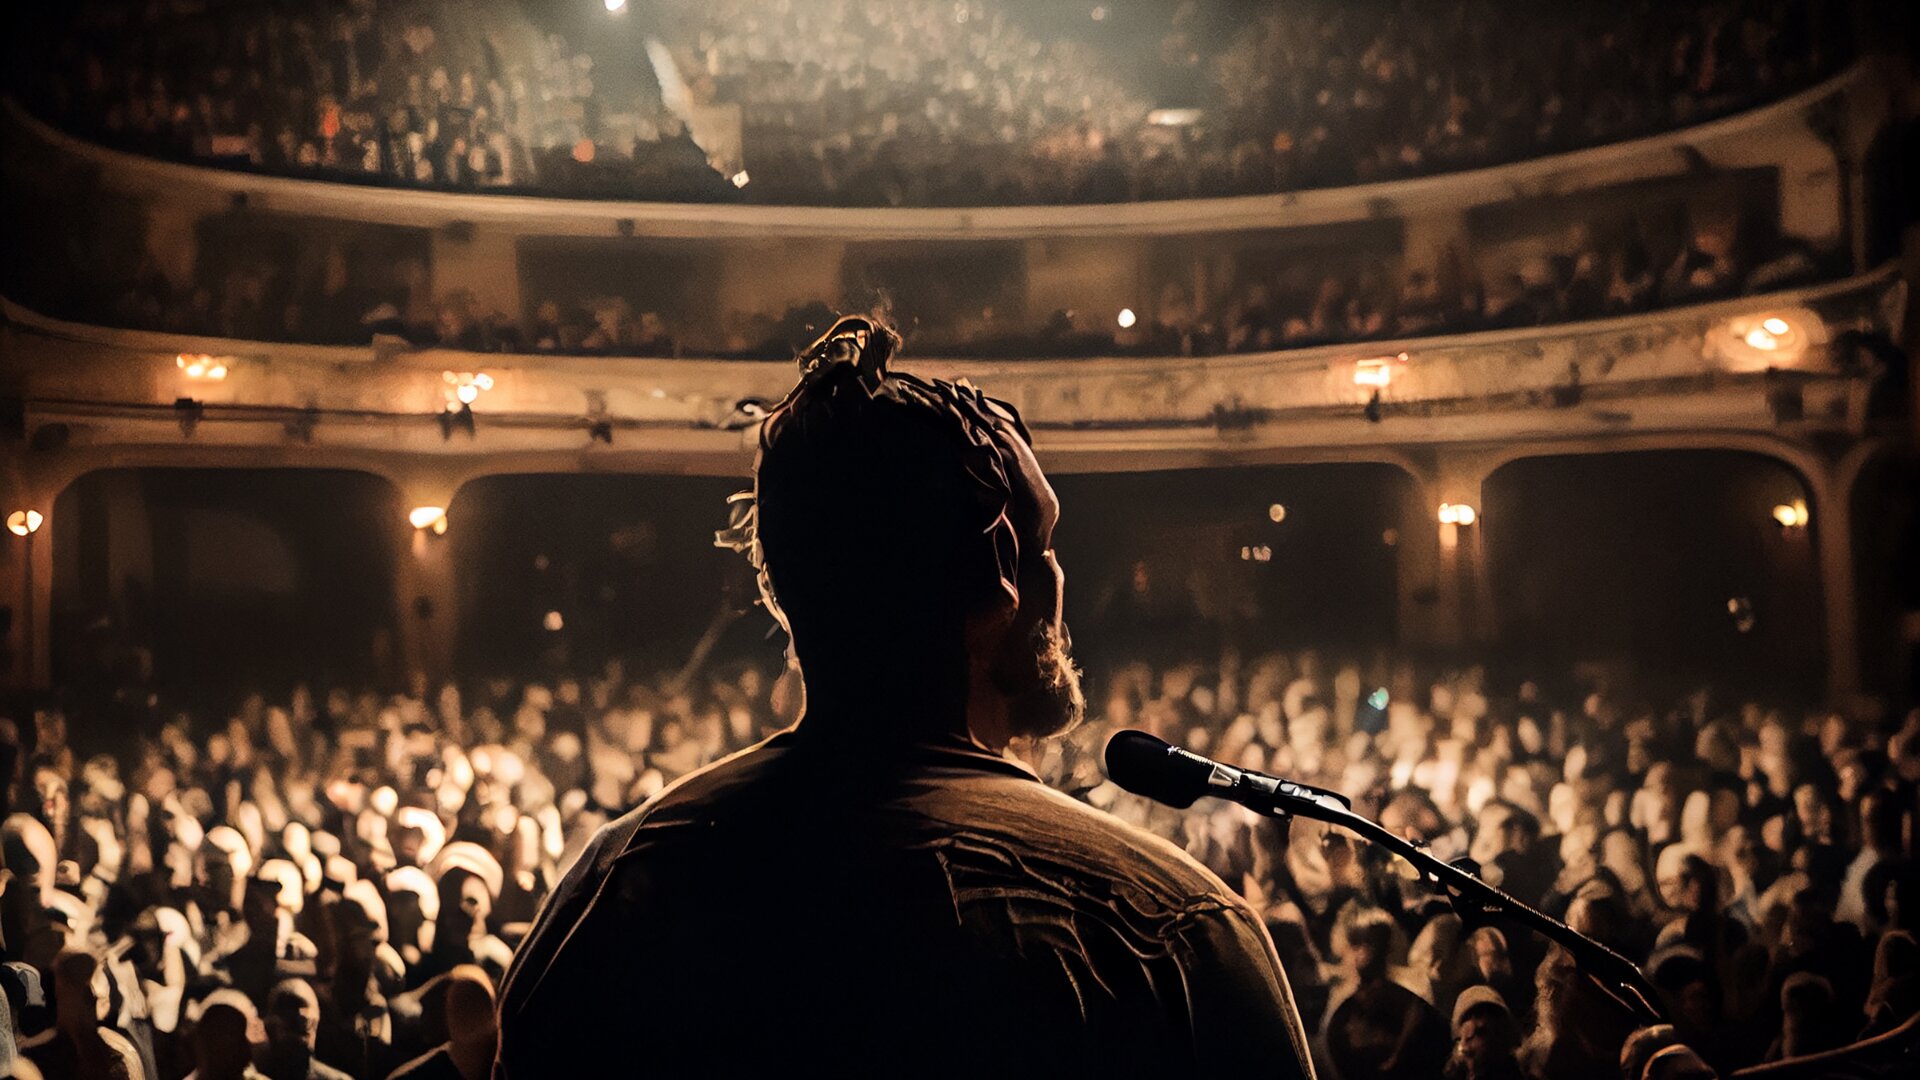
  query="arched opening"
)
[
  {"x": 1168, "y": 566},
  {"x": 1670, "y": 566},
  {"x": 210, "y": 582},
  {"x": 562, "y": 573}
]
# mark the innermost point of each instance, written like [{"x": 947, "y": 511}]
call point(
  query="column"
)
[
  {"x": 27, "y": 571},
  {"x": 426, "y": 595},
  {"x": 1445, "y": 599},
  {"x": 1831, "y": 497}
]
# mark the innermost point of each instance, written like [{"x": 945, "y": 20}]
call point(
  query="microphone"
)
[{"x": 1168, "y": 774}]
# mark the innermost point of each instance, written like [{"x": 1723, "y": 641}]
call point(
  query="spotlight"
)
[
  {"x": 24, "y": 522},
  {"x": 429, "y": 517},
  {"x": 1127, "y": 318}
]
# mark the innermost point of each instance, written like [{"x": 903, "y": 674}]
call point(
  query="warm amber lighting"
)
[
  {"x": 429, "y": 517},
  {"x": 1457, "y": 514},
  {"x": 24, "y": 522},
  {"x": 1791, "y": 515},
  {"x": 1127, "y": 318},
  {"x": 1276, "y": 513},
  {"x": 554, "y": 622},
  {"x": 1376, "y": 372},
  {"x": 1768, "y": 339},
  {"x": 464, "y": 388},
  {"x": 202, "y": 366}
]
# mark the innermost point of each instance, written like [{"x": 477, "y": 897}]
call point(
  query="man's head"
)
[
  {"x": 223, "y": 1038},
  {"x": 293, "y": 1017},
  {"x": 905, "y": 532},
  {"x": 1484, "y": 1031}
]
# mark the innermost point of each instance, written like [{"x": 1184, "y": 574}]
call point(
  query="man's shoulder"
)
[{"x": 1062, "y": 832}]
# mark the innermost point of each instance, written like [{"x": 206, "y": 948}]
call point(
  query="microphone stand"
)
[{"x": 1477, "y": 902}]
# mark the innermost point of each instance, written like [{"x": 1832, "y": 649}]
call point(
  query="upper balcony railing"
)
[{"x": 1779, "y": 367}]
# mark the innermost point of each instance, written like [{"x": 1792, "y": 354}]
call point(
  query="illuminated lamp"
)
[
  {"x": 24, "y": 522},
  {"x": 200, "y": 366},
  {"x": 1277, "y": 513},
  {"x": 1174, "y": 117},
  {"x": 616, "y": 5},
  {"x": 554, "y": 622},
  {"x": 1764, "y": 340},
  {"x": 1457, "y": 514},
  {"x": 1377, "y": 371},
  {"x": 429, "y": 517},
  {"x": 1791, "y": 515},
  {"x": 1127, "y": 318}
]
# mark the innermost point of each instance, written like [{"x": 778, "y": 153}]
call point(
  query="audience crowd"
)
[
  {"x": 334, "y": 883},
  {"x": 921, "y": 102},
  {"x": 1308, "y": 301}
]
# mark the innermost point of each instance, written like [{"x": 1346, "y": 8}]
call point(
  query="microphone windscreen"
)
[{"x": 1156, "y": 769}]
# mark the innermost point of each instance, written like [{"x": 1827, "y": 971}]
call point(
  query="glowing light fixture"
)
[
  {"x": 740, "y": 178},
  {"x": 616, "y": 5},
  {"x": 1277, "y": 513},
  {"x": 1377, "y": 371},
  {"x": 553, "y": 622},
  {"x": 201, "y": 367},
  {"x": 429, "y": 517},
  {"x": 1127, "y": 318},
  {"x": 1768, "y": 339},
  {"x": 1174, "y": 117},
  {"x": 463, "y": 388},
  {"x": 1791, "y": 515},
  {"x": 24, "y": 522},
  {"x": 1457, "y": 514}
]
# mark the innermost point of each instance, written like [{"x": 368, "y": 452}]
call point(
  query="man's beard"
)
[{"x": 1037, "y": 674}]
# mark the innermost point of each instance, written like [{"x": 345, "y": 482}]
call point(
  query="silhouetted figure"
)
[{"x": 877, "y": 889}]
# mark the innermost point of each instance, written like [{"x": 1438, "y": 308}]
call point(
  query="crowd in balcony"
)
[
  {"x": 926, "y": 102},
  {"x": 332, "y": 882},
  {"x": 1583, "y": 273}
]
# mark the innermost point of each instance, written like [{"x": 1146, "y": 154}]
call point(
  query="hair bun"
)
[{"x": 860, "y": 342}]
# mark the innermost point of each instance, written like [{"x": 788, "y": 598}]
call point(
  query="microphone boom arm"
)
[{"x": 1475, "y": 900}]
